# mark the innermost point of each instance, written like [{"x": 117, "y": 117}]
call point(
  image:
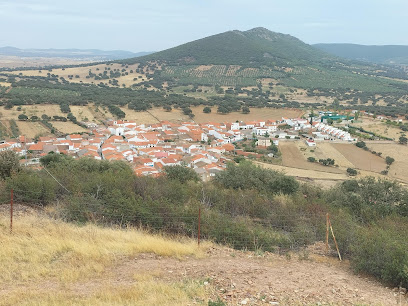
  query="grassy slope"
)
[{"x": 41, "y": 252}]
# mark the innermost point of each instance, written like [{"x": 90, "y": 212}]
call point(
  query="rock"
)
[
  {"x": 205, "y": 283},
  {"x": 403, "y": 290},
  {"x": 244, "y": 302}
]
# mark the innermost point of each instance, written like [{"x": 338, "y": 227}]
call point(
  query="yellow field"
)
[
  {"x": 32, "y": 129},
  {"x": 31, "y": 110},
  {"x": 380, "y": 128},
  {"x": 399, "y": 169},
  {"x": 49, "y": 262},
  {"x": 360, "y": 158},
  {"x": 84, "y": 113},
  {"x": 80, "y": 74},
  {"x": 293, "y": 157},
  {"x": 16, "y": 62},
  {"x": 139, "y": 117},
  {"x": 68, "y": 127}
]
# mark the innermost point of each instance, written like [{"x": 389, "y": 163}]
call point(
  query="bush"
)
[
  {"x": 361, "y": 144},
  {"x": 381, "y": 250},
  {"x": 389, "y": 160},
  {"x": 180, "y": 173},
  {"x": 245, "y": 175},
  {"x": 311, "y": 159}
]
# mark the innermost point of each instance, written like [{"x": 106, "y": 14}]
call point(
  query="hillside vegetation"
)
[{"x": 245, "y": 207}]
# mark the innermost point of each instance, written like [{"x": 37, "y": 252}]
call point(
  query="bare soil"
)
[
  {"x": 360, "y": 158},
  {"x": 292, "y": 157},
  {"x": 239, "y": 278}
]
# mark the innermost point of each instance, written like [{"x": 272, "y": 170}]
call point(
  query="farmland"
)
[
  {"x": 399, "y": 169},
  {"x": 32, "y": 129},
  {"x": 379, "y": 127},
  {"x": 361, "y": 159},
  {"x": 295, "y": 154},
  {"x": 68, "y": 127},
  {"x": 92, "y": 74}
]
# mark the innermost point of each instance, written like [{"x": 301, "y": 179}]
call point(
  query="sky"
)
[{"x": 154, "y": 25}]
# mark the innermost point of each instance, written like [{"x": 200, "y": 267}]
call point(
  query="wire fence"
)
[{"x": 278, "y": 231}]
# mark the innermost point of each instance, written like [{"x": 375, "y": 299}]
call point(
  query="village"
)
[{"x": 205, "y": 147}]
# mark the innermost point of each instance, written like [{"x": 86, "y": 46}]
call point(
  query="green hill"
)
[
  {"x": 253, "y": 57},
  {"x": 388, "y": 54},
  {"x": 252, "y": 48}
]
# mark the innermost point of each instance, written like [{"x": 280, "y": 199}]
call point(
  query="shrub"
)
[
  {"x": 389, "y": 160},
  {"x": 311, "y": 159},
  {"x": 361, "y": 144},
  {"x": 382, "y": 251}
]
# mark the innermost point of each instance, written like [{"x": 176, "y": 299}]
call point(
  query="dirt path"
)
[
  {"x": 270, "y": 278},
  {"x": 240, "y": 278}
]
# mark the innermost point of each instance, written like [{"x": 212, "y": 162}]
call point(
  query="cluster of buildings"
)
[
  {"x": 328, "y": 132},
  {"x": 204, "y": 147}
]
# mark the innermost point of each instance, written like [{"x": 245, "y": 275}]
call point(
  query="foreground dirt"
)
[{"x": 245, "y": 278}]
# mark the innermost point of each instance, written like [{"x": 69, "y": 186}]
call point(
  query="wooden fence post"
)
[
  {"x": 199, "y": 225},
  {"x": 11, "y": 210}
]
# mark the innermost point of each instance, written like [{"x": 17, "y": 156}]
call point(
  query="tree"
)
[
  {"x": 187, "y": 111},
  {"x": 207, "y": 110},
  {"x": 245, "y": 110},
  {"x": 403, "y": 140},
  {"x": 311, "y": 159},
  {"x": 65, "y": 108},
  {"x": 167, "y": 108},
  {"x": 180, "y": 173},
  {"x": 45, "y": 117},
  {"x": 389, "y": 160},
  {"x": 222, "y": 109},
  {"x": 351, "y": 171},
  {"x": 22, "y": 117},
  {"x": 360, "y": 144},
  {"x": 9, "y": 163}
]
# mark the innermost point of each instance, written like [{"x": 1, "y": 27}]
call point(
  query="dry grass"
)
[
  {"x": 17, "y": 62},
  {"x": 150, "y": 292},
  {"x": 83, "y": 112},
  {"x": 32, "y": 129},
  {"x": 360, "y": 158},
  {"x": 83, "y": 72},
  {"x": 380, "y": 128},
  {"x": 292, "y": 156},
  {"x": 45, "y": 261},
  {"x": 399, "y": 169},
  {"x": 68, "y": 127}
]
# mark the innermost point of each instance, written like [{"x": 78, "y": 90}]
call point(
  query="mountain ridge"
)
[
  {"x": 381, "y": 54},
  {"x": 83, "y": 54}
]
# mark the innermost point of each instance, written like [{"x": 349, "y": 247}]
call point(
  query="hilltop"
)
[{"x": 251, "y": 48}]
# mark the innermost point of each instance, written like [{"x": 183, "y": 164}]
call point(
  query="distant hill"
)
[
  {"x": 388, "y": 54},
  {"x": 86, "y": 54},
  {"x": 255, "y": 47},
  {"x": 254, "y": 57}
]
